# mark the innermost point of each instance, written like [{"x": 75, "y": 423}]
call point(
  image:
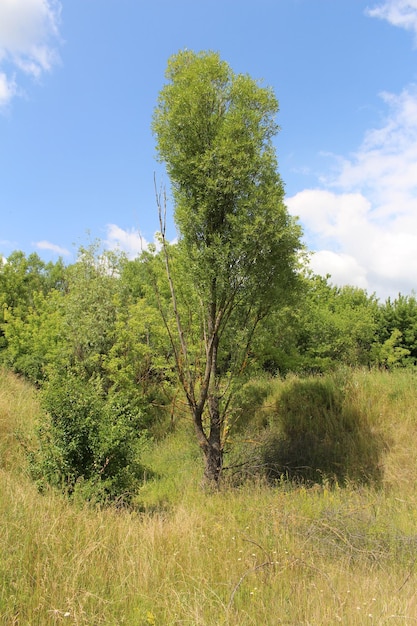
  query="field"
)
[{"x": 252, "y": 554}]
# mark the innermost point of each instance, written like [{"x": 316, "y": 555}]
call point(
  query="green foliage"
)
[
  {"x": 137, "y": 366},
  {"x": 329, "y": 326},
  {"x": 390, "y": 354},
  {"x": 88, "y": 442},
  {"x": 72, "y": 343},
  {"x": 397, "y": 331},
  {"x": 66, "y": 328},
  {"x": 35, "y": 342},
  {"x": 21, "y": 280},
  {"x": 91, "y": 305},
  {"x": 98, "y": 356},
  {"x": 214, "y": 131}
]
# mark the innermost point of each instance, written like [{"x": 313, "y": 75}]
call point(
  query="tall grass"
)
[{"x": 254, "y": 554}]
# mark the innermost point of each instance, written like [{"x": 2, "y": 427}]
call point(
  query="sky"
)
[{"x": 79, "y": 80}]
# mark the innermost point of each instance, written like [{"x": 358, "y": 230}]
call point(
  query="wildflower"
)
[{"x": 150, "y": 618}]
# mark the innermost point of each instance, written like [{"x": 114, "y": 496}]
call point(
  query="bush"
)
[{"x": 89, "y": 444}]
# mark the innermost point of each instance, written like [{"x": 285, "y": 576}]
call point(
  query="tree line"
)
[{"x": 103, "y": 307}]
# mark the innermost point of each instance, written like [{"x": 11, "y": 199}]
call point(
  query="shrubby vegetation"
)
[
  {"x": 90, "y": 335},
  {"x": 86, "y": 342}
]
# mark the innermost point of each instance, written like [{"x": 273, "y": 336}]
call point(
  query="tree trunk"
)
[
  {"x": 214, "y": 450},
  {"x": 210, "y": 445},
  {"x": 213, "y": 465}
]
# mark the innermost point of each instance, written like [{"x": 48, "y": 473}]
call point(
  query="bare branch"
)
[{"x": 183, "y": 370}]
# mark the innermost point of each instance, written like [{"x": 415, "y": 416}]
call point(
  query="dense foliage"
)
[{"x": 87, "y": 340}]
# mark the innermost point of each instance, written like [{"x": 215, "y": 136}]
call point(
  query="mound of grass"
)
[{"x": 319, "y": 433}]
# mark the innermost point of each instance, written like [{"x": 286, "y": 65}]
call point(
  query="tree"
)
[
  {"x": 21, "y": 280},
  {"x": 398, "y": 328},
  {"x": 331, "y": 326},
  {"x": 238, "y": 249}
]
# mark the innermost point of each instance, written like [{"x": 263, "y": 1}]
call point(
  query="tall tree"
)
[{"x": 238, "y": 246}]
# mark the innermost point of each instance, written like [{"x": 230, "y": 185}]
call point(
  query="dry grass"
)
[
  {"x": 248, "y": 556},
  {"x": 18, "y": 410}
]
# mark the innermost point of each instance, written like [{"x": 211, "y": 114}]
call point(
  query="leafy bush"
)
[{"x": 88, "y": 443}]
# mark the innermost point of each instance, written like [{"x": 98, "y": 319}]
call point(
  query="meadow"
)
[{"x": 252, "y": 553}]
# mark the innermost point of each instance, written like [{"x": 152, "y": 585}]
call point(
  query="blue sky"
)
[{"x": 79, "y": 80}]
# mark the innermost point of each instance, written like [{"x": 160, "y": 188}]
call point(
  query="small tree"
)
[{"x": 238, "y": 247}]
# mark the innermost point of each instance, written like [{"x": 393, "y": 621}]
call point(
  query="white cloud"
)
[
  {"x": 129, "y": 241},
  {"x": 365, "y": 228},
  {"x": 46, "y": 245},
  {"x": 386, "y": 162},
  {"x": 7, "y": 89},
  {"x": 28, "y": 36},
  {"x": 402, "y": 13},
  {"x": 345, "y": 269}
]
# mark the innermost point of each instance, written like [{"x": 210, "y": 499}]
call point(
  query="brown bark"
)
[
  {"x": 214, "y": 452},
  {"x": 213, "y": 465}
]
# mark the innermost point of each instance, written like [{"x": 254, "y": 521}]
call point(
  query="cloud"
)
[
  {"x": 46, "y": 245},
  {"x": 28, "y": 36},
  {"x": 402, "y": 13},
  {"x": 346, "y": 270},
  {"x": 129, "y": 241},
  {"x": 386, "y": 162},
  {"x": 364, "y": 224},
  {"x": 7, "y": 89}
]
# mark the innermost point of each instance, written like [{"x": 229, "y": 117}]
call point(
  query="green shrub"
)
[{"x": 89, "y": 444}]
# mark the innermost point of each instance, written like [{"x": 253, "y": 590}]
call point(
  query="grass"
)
[{"x": 244, "y": 556}]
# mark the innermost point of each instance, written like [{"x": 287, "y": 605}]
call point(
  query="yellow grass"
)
[{"x": 255, "y": 555}]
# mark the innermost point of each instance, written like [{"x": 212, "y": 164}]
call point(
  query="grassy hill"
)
[{"x": 254, "y": 554}]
